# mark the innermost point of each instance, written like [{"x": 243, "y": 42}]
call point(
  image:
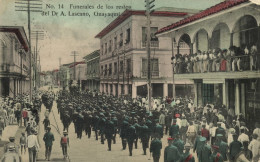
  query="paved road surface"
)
[{"x": 88, "y": 150}]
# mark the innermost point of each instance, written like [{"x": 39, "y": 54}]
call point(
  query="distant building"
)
[
  {"x": 14, "y": 61},
  {"x": 123, "y": 56},
  {"x": 78, "y": 74},
  {"x": 64, "y": 76},
  {"x": 92, "y": 81}
]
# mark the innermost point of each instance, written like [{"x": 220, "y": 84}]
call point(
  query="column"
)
[
  {"x": 237, "y": 98},
  {"x": 101, "y": 88},
  {"x": 126, "y": 89},
  {"x": 191, "y": 48},
  {"x": 119, "y": 89},
  {"x": 196, "y": 94},
  {"x": 134, "y": 91},
  {"x": 114, "y": 89},
  {"x": 200, "y": 95},
  {"x": 225, "y": 97},
  {"x": 109, "y": 90},
  {"x": 165, "y": 89},
  {"x": 243, "y": 100},
  {"x": 231, "y": 39}
]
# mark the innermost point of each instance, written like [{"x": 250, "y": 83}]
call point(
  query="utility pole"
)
[
  {"x": 26, "y": 5},
  {"x": 74, "y": 54},
  {"x": 37, "y": 35},
  {"x": 149, "y": 5}
]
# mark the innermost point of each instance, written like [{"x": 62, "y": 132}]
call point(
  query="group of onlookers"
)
[{"x": 233, "y": 59}]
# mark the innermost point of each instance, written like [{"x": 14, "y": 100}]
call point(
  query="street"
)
[{"x": 86, "y": 149}]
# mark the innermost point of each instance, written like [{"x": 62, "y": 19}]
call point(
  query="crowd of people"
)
[
  {"x": 210, "y": 133},
  {"x": 214, "y": 133},
  {"x": 234, "y": 59},
  {"x": 20, "y": 111}
]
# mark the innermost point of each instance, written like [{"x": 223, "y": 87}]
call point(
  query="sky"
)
[{"x": 64, "y": 34}]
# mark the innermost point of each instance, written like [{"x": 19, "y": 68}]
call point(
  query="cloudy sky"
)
[{"x": 64, "y": 34}]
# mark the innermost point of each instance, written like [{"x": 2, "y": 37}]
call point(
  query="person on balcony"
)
[
  {"x": 214, "y": 56},
  {"x": 200, "y": 62},
  {"x": 194, "y": 62},
  {"x": 253, "y": 57},
  {"x": 218, "y": 60},
  {"x": 223, "y": 63},
  {"x": 210, "y": 60},
  {"x": 205, "y": 61}
]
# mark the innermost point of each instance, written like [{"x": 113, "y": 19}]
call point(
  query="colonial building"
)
[
  {"x": 228, "y": 72},
  {"x": 123, "y": 56},
  {"x": 64, "y": 76},
  {"x": 92, "y": 81},
  {"x": 14, "y": 61},
  {"x": 77, "y": 72}
]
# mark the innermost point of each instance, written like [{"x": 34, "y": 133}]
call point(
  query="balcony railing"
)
[
  {"x": 154, "y": 73},
  {"x": 228, "y": 64},
  {"x": 154, "y": 44}
]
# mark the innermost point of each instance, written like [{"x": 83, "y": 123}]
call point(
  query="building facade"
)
[
  {"x": 123, "y": 56},
  {"x": 224, "y": 58},
  {"x": 14, "y": 61},
  {"x": 92, "y": 81}
]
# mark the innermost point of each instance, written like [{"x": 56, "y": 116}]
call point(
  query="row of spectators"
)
[{"x": 234, "y": 59}]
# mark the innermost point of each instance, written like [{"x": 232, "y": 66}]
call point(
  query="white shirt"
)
[
  {"x": 230, "y": 139},
  {"x": 257, "y": 131},
  {"x": 243, "y": 137},
  {"x": 254, "y": 146},
  {"x": 32, "y": 141}
]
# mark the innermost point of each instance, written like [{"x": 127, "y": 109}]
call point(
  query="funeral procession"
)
[{"x": 130, "y": 80}]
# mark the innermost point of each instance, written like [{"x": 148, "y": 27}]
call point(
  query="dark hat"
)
[{"x": 11, "y": 138}]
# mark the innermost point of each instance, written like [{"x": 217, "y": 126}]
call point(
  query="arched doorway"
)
[
  {"x": 245, "y": 32},
  {"x": 220, "y": 37},
  {"x": 184, "y": 44},
  {"x": 201, "y": 40}
]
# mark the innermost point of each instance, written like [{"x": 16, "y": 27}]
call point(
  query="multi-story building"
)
[
  {"x": 92, "y": 81},
  {"x": 14, "y": 61},
  {"x": 77, "y": 72},
  {"x": 229, "y": 77},
  {"x": 64, "y": 76},
  {"x": 123, "y": 56}
]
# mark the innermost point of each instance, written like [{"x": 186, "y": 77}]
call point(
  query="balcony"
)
[
  {"x": 154, "y": 44},
  {"x": 236, "y": 67},
  {"x": 155, "y": 74}
]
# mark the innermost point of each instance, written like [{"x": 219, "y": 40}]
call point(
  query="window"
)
[
  {"x": 102, "y": 50},
  {"x": 110, "y": 46},
  {"x": 105, "y": 48},
  {"x": 121, "y": 40},
  {"x": 128, "y": 35},
  {"x": 101, "y": 70},
  {"x": 208, "y": 93},
  {"x": 154, "y": 67},
  {"x": 122, "y": 89},
  {"x": 115, "y": 67},
  {"x": 128, "y": 65},
  {"x": 105, "y": 70},
  {"x": 121, "y": 66},
  {"x": 115, "y": 42},
  {"x": 110, "y": 69},
  {"x": 153, "y": 31}
]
